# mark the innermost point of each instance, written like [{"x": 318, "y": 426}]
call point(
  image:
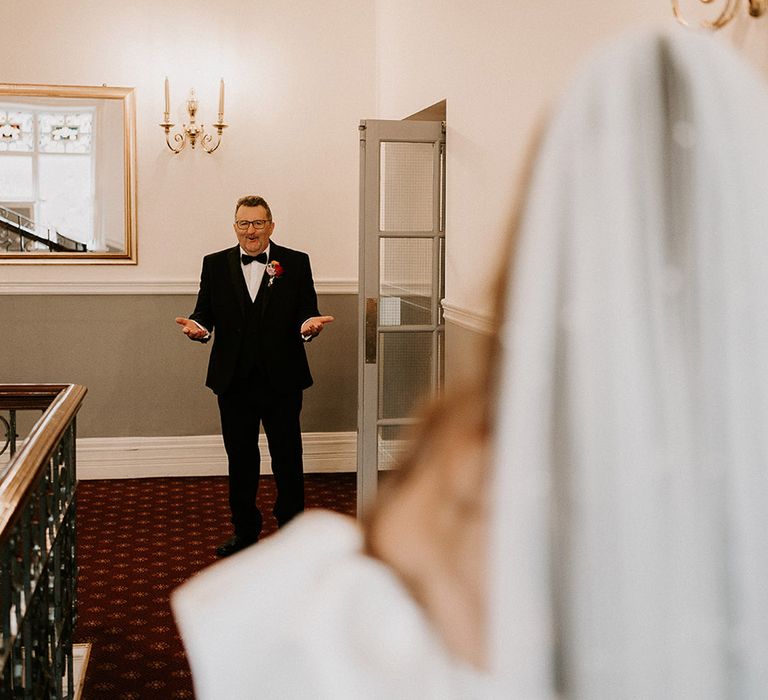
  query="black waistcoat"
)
[{"x": 251, "y": 357}]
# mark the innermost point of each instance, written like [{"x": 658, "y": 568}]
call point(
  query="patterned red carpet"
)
[{"x": 137, "y": 540}]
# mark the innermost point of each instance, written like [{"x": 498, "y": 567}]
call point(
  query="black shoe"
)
[{"x": 234, "y": 544}]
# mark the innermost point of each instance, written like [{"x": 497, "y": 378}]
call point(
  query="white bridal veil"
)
[
  {"x": 631, "y": 489},
  {"x": 629, "y": 553}
]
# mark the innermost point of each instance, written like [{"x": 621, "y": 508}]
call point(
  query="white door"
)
[{"x": 402, "y": 253}]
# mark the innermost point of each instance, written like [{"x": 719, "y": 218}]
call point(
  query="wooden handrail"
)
[
  {"x": 29, "y": 396},
  {"x": 63, "y": 402},
  {"x": 38, "y": 568}
]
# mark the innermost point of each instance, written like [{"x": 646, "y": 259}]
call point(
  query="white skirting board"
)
[
  {"x": 81, "y": 654},
  {"x": 200, "y": 455}
]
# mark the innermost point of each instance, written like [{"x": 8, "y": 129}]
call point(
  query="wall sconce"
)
[
  {"x": 756, "y": 9},
  {"x": 193, "y": 131}
]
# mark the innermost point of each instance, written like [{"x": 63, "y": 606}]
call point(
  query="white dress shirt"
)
[{"x": 253, "y": 273}]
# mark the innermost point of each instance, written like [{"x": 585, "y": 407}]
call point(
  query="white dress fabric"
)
[
  {"x": 629, "y": 547},
  {"x": 304, "y": 615},
  {"x": 631, "y": 531}
]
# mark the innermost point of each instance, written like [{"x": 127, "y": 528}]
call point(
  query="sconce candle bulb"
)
[{"x": 192, "y": 131}]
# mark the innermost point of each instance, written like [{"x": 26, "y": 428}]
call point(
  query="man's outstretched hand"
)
[
  {"x": 312, "y": 326},
  {"x": 191, "y": 329}
]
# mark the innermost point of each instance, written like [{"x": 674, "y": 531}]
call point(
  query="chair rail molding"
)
[
  {"x": 471, "y": 320},
  {"x": 143, "y": 287}
]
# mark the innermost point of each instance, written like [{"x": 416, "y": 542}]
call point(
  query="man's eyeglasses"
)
[{"x": 257, "y": 224}]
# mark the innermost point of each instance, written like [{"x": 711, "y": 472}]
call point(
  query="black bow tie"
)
[{"x": 248, "y": 259}]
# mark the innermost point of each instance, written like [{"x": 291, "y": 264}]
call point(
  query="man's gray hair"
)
[{"x": 253, "y": 200}]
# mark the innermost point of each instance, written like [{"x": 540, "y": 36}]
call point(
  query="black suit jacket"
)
[{"x": 264, "y": 334}]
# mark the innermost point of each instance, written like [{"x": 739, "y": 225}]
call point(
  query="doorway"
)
[{"x": 402, "y": 285}]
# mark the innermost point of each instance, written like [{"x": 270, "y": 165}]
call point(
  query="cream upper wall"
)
[
  {"x": 299, "y": 77},
  {"x": 500, "y": 65}
]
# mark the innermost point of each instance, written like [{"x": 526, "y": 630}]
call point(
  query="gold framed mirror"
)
[{"x": 67, "y": 174}]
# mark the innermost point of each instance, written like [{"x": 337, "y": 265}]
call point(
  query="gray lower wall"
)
[
  {"x": 465, "y": 354},
  {"x": 144, "y": 377}
]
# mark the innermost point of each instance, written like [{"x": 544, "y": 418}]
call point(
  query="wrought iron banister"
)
[{"x": 38, "y": 570}]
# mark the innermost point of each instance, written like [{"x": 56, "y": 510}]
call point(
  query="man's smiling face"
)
[{"x": 253, "y": 228}]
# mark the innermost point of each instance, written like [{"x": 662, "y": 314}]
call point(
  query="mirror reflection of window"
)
[
  {"x": 47, "y": 175},
  {"x": 67, "y": 182}
]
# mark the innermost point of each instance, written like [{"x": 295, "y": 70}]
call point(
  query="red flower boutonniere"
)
[{"x": 275, "y": 271}]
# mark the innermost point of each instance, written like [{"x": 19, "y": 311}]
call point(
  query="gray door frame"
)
[{"x": 372, "y": 134}]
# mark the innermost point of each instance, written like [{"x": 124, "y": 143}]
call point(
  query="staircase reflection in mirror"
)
[{"x": 20, "y": 234}]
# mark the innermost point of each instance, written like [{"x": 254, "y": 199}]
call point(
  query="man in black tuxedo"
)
[{"x": 258, "y": 301}]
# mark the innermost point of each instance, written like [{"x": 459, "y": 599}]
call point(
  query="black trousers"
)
[{"x": 243, "y": 408}]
